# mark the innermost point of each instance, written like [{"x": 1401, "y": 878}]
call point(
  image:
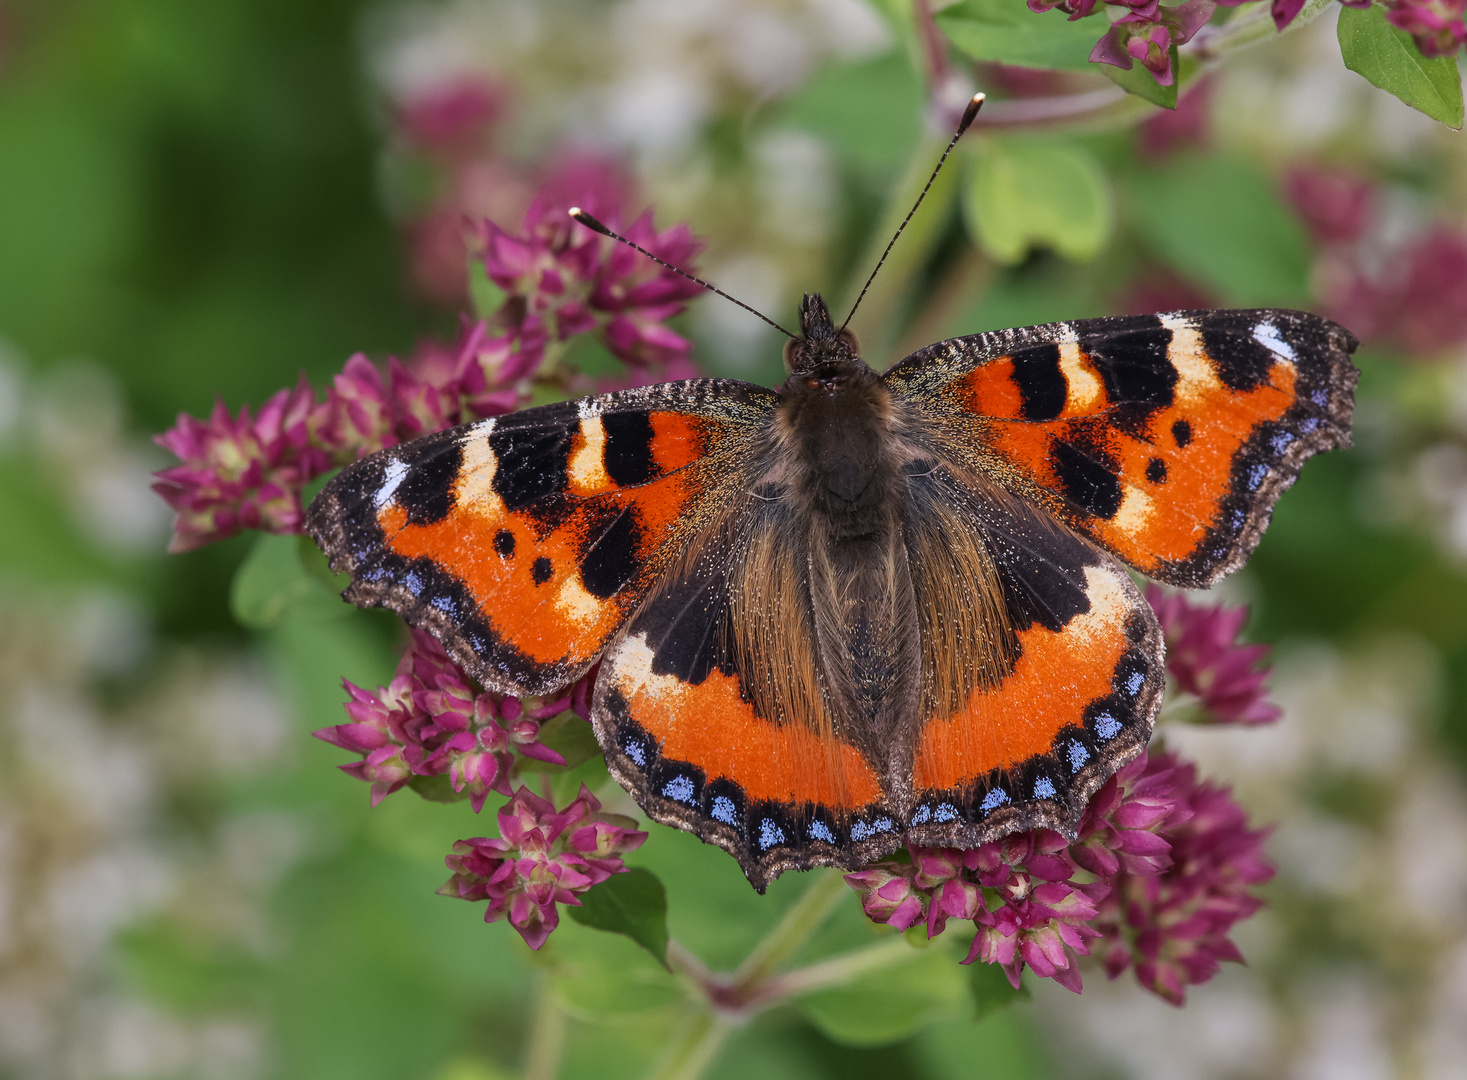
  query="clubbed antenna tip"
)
[{"x": 589, "y": 222}]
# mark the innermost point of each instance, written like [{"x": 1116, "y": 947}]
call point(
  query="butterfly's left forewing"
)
[{"x": 523, "y": 542}]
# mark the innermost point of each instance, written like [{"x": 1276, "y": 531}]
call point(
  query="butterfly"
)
[{"x": 862, "y": 610}]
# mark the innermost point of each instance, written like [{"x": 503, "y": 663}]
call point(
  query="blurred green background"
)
[{"x": 201, "y": 200}]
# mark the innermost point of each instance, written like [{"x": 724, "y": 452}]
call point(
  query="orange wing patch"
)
[
  {"x": 523, "y": 542},
  {"x": 1078, "y": 704},
  {"x": 711, "y": 724},
  {"x": 1055, "y": 677}
]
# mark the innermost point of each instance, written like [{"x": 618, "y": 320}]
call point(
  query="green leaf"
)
[
  {"x": 1388, "y": 58},
  {"x": 1025, "y": 192},
  {"x": 1008, "y": 32},
  {"x": 570, "y": 737},
  {"x": 634, "y": 904},
  {"x": 1138, "y": 80},
  {"x": 890, "y": 1004},
  {"x": 438, "y": 788},
  {"x": 869, "y": 113},
  {"x": 990, "y": 989},
  {"x": 1219, "y": 220},
  {"x": 484, "y": 294},
  {"x": 273, "y": 581}
]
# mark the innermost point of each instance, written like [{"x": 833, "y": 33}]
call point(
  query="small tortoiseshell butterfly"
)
[{"x": 861, "y": 610}]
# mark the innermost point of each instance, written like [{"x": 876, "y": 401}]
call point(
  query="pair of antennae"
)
[{"x": 969, "y": 114}]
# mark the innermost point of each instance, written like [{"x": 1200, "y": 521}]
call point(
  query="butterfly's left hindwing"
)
[
  {"x": 1166, "y": 438},
  {"x": 523, "y": 542}
]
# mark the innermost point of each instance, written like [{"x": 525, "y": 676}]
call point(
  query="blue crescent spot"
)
[
  {"x": 637, "y": 752},
  {"x": 860, "y": 831},
  {"x": 724, "y": 810},
  {"x": 1078, "y": 755},
  {"x": 413, "y": 582},
  {"x": 1134, "y": 682},
  {"x": 884, "y": 824},
  {"x": 679, "y": 788},
  {"x": 444, "y": 604},
  {"x": 1308, "y": 426},
  {"x": 922, "y": 816},
  {"x": 946, "y": 812},
  {"x": 820, "y": 831},
  {"x": 1281, "y": 442},
  {"x": 770, "y": 834},
  {"x": 1107, "y": 726},
  {"x": 1044, "y": 788},
  {"x": 993, "y": 800},
  {"x": 1256, "y": 475},
  {"x": 1320, "y": 397}
]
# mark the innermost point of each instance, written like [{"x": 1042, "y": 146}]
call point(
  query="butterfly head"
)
[{"x": 821, "y": 348}]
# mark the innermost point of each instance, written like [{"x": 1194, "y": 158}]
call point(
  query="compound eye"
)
[{"x": 792, "y": 350}]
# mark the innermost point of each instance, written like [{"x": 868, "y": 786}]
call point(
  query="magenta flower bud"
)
[
  {"x": 1204, "y": 657},
  {"x": 432, "y": 720},
  {"x": 543, "y": 858}
]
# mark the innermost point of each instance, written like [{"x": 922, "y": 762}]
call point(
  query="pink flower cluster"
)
[
  {"x": 1147, "y": 33},
  {"x": 1173, "y": 925},
  {"x": 576, "y": 281},
  {"x": 543, "y": 857},
  {"x": 431, "y": 720},
  {"x": 560, "y": 280},
  {"x": 1411, "y": 295},
  {"x": 241, "y": 472},
  {"x": 1205, "y": 659},
  {"x": 1157, "y": 876},
  {"x": 247, "y": 471}
]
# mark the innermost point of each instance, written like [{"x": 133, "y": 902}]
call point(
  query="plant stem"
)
[
  {"x": 547, "y": 1034},
  {"x": 835, "y": 971},
  {"x": 793, "y": 931},
  {"x": 693, "y": 1048}
]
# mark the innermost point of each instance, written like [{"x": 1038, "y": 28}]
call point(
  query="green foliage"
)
[
  {"x": 1389, "y": 58},
  {"x": 1138, "y": 80},
  {"x": 1024, "y": 192},
  {"x": 634, "y": 904},
  {"x": 869, "y": 112},
  {"x": 1246, "y": 247},
  {"x": 1007, "y": 31},
  {"x": 892, "y": 1003},
  {"x": 991, "y": 990},
  {"x": 277, "y": 577}
]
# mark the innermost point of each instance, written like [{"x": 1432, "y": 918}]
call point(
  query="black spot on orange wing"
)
[
  {"x": 1042, "y": 386},
  {"x": 1240, "y": 360},
  {"x": 628, "y": 454},
  {"x": 1134, "y": 364},
  {"x": 1085, "y": 480},
  {"x": 531, "y": 462},
  {"x": 504, "y": 543},
  {"x": 541, "y": 570},
  {"x": 612, "y": 559},
  {"x": 1156, "y": 471},
  {"x": 427, "y": 491},
  {"x": 1182, "y": 433}
]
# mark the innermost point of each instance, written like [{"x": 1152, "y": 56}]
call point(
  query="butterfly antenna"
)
[
  {"x": 968, "y": 116},
  {"x": 595, "y": 226}
]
